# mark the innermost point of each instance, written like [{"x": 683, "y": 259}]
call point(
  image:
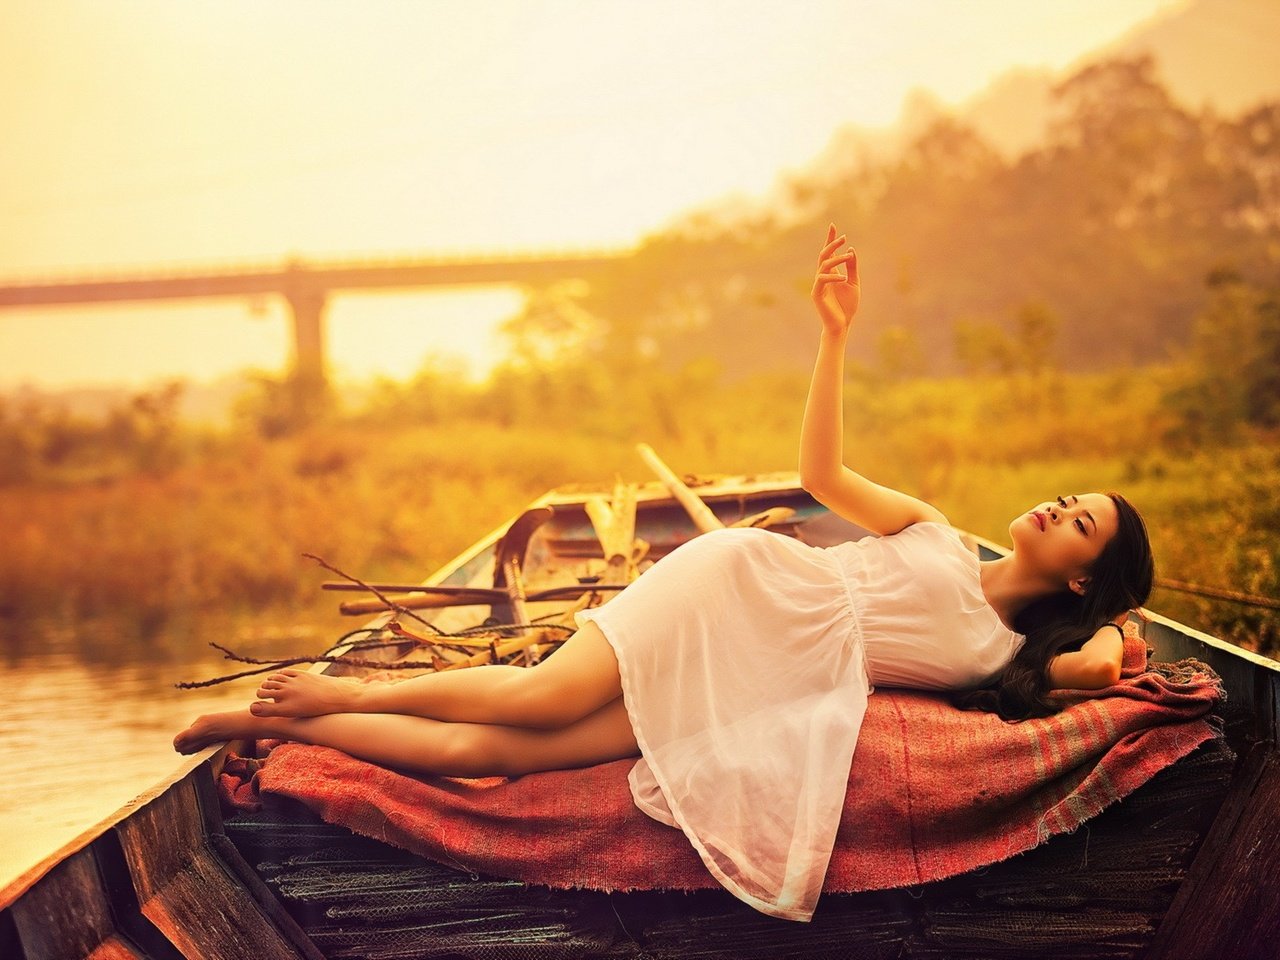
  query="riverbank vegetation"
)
[{"x": 218, "y": 524}]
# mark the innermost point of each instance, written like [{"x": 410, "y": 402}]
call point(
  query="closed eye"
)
[{"x": 1079, "y": 524}]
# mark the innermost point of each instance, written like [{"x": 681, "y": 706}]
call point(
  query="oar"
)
[
  {"x": 699, "y": 512},
  {"x": 443, "y": 591},
  {"x": 697, "y": 508}
]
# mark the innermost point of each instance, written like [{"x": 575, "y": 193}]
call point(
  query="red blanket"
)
[{"x": 934, "y": 791}]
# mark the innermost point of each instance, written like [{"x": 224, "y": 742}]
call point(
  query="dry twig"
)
[
  {"x": 294, "y": 661},
  {"x": 391, "y": 604}
]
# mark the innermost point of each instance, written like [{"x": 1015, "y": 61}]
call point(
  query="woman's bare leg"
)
[
  {"x": 576, "y": 680},
  {"x": 434, "y": 746}
]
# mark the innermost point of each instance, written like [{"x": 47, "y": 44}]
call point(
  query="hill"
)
[{"x": 1223, "y": 55}]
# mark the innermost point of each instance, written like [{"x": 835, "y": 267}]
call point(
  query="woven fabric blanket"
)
[{"x": 934, "y": 791}]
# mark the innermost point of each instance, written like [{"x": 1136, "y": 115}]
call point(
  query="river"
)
[{"x": 81, "y": 738}]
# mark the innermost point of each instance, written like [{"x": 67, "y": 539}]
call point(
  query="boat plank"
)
[
  {"x": 1227, "y": 907},
  {"x": 69, "y": 916},
  {"x": 242, "y": 873},
  {"x": 186, "y": 892}
]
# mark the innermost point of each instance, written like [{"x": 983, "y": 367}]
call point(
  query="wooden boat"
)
[{"x": 1182, "y": 868}]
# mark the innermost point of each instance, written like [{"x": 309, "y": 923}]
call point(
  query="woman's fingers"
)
[
  {"x": 831, "y": 248},
  {"x": 827, "y": 266},
  {"x": 833, "y": 243},
  {"x": 836, "y": 292}
]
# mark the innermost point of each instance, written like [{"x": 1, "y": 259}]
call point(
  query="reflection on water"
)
[{"x": 81, "y": 738}]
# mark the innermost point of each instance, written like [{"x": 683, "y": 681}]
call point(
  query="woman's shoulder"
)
[{"x": 937, "y": 529}]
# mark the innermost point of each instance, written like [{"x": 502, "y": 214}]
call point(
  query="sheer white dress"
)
[{"x": 747, "y": 658}]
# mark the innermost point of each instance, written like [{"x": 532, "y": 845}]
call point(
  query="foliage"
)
[
  {"x": 395, "y": 490},
  {"x": 1232, "y": 369},
  {"x": 46, "y": 443},
  {"x": 277, "y": 406},
  {"x": 1108, "y": 228}
]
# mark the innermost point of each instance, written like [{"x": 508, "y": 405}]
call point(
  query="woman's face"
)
[{"x": 1062, "y": 537}]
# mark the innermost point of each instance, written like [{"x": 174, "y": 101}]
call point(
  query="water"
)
[{"x": 80, "y": 739}]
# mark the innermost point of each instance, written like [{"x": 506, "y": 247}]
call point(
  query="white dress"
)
[{"x": 746, "y": 659}]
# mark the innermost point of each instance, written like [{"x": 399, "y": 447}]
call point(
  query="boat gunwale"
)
[{"x": 214, "y": 757}]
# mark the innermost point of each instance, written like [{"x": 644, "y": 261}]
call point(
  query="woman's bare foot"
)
[
  {"x": 296, "y": 693},
  {"x": 216, "y": 728}
]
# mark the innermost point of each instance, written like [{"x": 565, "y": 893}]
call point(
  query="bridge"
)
[{"x": 306, "y": 287}]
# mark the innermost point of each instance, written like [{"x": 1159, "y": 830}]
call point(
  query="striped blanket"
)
[{"x": 933, "y": 792}]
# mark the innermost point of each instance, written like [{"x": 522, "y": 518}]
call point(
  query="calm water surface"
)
[{"x": 79, "y": 740}]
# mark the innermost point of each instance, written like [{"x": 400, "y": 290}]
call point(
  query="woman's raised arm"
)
[{"x": 836, "y": 296}]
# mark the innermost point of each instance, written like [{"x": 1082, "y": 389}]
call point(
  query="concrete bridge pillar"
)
[{"x": 308, "y": 307}]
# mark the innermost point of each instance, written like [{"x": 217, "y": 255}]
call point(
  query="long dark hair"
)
[{"x": 1119, "y": 580}]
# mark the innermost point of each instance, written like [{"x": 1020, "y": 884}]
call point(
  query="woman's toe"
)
[{"x": 188, "y": 741}]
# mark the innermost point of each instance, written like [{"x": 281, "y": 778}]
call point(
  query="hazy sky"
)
[{"x": 144, "y": 134}]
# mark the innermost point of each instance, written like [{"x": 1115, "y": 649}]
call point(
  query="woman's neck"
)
[{"x": 1009, "y": 587}]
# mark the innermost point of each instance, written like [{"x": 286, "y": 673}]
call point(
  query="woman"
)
[{"x": 738, "y": 667}]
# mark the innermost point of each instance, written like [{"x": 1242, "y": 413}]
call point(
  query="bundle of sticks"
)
[{"x": 613, "y": 521}]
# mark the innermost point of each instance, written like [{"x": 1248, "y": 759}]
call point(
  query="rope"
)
[{"x": 1218, "y": 593}]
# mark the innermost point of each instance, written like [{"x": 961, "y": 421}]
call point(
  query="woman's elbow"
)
[
  {"x": 1111, "y": 673},
  {"x": 1082, "y": 674},
  {"x": 1104, "y": 673},
  {"x": 814, "y": 483}
]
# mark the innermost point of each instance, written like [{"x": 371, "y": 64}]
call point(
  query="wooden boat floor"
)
[{"x": 1099, "y": 892}]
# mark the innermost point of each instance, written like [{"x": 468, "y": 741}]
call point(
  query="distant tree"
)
[
  {"x": 146, "y": 429},
  {"x": 276, "y": 406},
  {"x": 1233, "y": 376},
  {"x": 1249, "y": 151},
  {"x": 1112, "y": 221},
  {"x": 1036, "y": 328},
  {"x": 982, "y": 346},
  {"x": 899, "y": 353},
  {"x": 552, "y": 329},
  {"x": 19, "y": 443}
]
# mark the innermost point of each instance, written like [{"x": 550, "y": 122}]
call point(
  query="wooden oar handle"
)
[
  {"x": 442, "y": 591},
  {"x": 698, "y": 511}
]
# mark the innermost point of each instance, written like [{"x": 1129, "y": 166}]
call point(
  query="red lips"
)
[{"x": 1039, "y": 519}]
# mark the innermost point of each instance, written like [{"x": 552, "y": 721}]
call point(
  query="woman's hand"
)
[{"x": 834, "y": 294}]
